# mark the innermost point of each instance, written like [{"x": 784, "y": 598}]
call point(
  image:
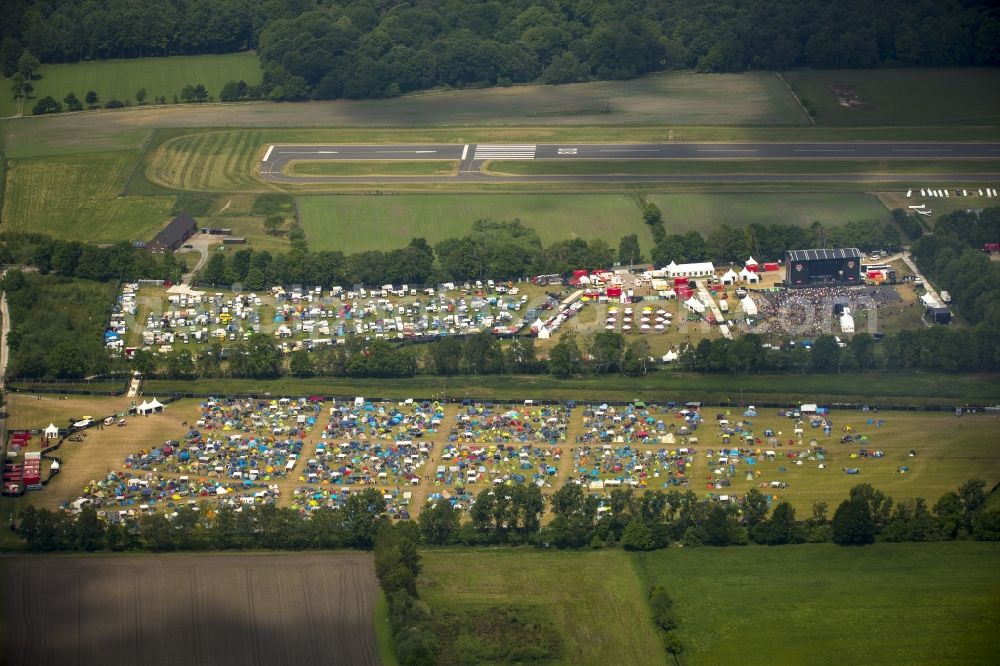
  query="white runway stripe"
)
[{"x": 505, "y": 152}]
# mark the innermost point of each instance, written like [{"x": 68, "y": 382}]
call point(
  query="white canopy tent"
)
[
  {"x": 749, "y": 276},
  {"x": 730, "y": 277},
  {"x": 52, "y": 432},
  {"x": 694, "y": 305},
  {"x": 749, "y": 307}
]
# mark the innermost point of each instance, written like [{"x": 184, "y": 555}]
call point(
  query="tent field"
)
[
  {"x": 908, "y": 455},
  {"x": 237, "y": 609},
  {"x": 823, "y": 604}
]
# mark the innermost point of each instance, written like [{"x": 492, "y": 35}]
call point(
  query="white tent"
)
[
  {"x": 751, "y": 262},
  {"x": 543, "y": 333},
  {"x": 749, "y": 276},
  {"x": 700, "y": 269},
  {"x": 748, "y": 305},
  {"x": 156, "y": 405},
  {"x": 694, "y": 305},
  {"x": 52, "y": 432},
  {"x": 730, "y": 277},
  {"x": 143, "y": 408},
  {"x": 538, "y": 325},
  {"x": 670, "y": 357}
]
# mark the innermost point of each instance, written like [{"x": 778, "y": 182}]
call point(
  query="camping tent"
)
[
  {"x": 52, "y": 432},
  {"x": 543, "y": 333}
]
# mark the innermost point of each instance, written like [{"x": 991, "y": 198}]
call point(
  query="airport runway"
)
[{"x": 472, "y": 156}]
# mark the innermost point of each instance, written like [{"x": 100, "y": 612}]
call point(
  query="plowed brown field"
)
[{"x": 190, "y": 609}]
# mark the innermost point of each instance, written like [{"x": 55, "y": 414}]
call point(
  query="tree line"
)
[
  {"x": 513, "y": 515},
  {"x": 938, "y": 348},
  {"x": 494, "y": 249},
  {"x": 725, "y": 244},
  {"x": 328, "y": 50},
  {"x": 507, "y": 249}
]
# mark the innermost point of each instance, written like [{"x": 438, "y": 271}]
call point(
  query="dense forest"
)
[{"x": 325, "y": 50}]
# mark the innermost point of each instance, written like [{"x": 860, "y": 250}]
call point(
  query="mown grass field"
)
[
  {"x": 945, "y": 96},
  {"x": 705, "y": 211},
  {"x": 220, "y": 160},
  {"x": 906, "y": 603},
  {"x": 121, "y": 79},
  {"x": 937, "y": 205},
  {"x": 372, "y": 168},
  {"x": 356, "y": 223},
  {"x": 815, "y": 604},
  {"x": 594, "y": 599},
  {"x": 78, "y": 197},
  {"x": 748, "y": 166},
  {"x": 669, "y": 97}
]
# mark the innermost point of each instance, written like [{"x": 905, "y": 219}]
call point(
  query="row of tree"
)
[
  {"x": 938, "y": 348},
  {"x": 119, "y": 261},
  {"x": 499, "y": 249},
  {"x": 397, "y": 565},
  {"x": 725, "y": 244},
  {"x": 513, "y": 515},
  {"x": 367, "y": 49},
  {"x": 494, "y": 249}
]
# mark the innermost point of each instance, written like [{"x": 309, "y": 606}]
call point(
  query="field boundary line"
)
[
  {"x": 812, "y": 121},
  {"x": 139, "y": 162}
]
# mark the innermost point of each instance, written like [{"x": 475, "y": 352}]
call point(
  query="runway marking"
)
[
  {"x": 408, "y": 152},
  {"x": 327, "y": 152},
  {"x": 268, "y": 153},
  {"x": 567, "y": 151},
  {"x": 824, "y": 150},
  {"x": 727, "y": 150},
  {"x": 628, "y": 150},
  {"x": 921, "y": 150},
  {"x": 465, "y": 151},
  {"x": 505, "y": 152}
]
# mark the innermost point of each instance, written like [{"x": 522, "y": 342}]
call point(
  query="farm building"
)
[
  {"x": 176, "y": 232},
  {"x": 807, "y": 268}
]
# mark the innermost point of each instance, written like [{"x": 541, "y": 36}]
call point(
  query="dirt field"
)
[
  {"x": 204, "y": 609},
  {"x": 102, "y": 449}
]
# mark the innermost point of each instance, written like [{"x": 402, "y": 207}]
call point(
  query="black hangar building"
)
[
  {"x": 176, "y": 232},
  {"x": 816, "y": 268}
]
